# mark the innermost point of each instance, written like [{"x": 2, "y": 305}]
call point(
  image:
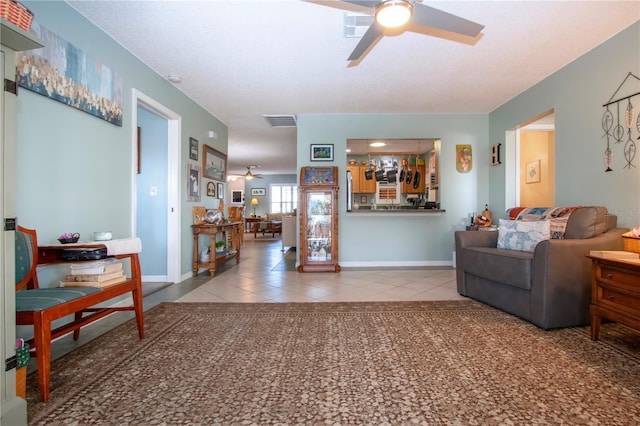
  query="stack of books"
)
[{"x": 94, "y": 274}]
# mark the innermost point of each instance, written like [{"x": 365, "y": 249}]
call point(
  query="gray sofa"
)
[{"x": 550, "y": 287}]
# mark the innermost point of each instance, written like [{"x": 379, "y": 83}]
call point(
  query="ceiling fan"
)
[
  {"x": 249, "y": 175},
  {"x": 396, "y": 16}
]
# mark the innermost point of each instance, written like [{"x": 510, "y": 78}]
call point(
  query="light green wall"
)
[
  {"x": 577, "y": 93},
  {"x": 75, "y": 170},
  {"x": 367, "y": 241}
]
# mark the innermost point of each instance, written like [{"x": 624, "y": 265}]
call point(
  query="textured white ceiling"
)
[{"x": 241, "y": 60}]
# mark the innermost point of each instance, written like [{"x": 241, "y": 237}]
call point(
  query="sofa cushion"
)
[
  {"x": 274, "y": 216},
  {"x": 522, "y": 235},
  {"x": 587, "y": 222},
  {"x": 509, "y": 267}
]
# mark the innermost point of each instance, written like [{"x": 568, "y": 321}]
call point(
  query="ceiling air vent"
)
[
  {"x": 281, "y": 120},
  {"x": 356, "y": 25}
]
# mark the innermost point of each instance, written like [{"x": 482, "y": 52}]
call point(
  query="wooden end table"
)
[{"x": 615, "y": 292}]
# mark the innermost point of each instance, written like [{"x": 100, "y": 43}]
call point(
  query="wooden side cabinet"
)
[
  {"x": 615, "y": 292},
  {"x": 319, "y": 219}
]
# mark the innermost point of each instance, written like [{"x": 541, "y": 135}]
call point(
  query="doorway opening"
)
[
  {"x": 174, "y": 124},
  {"x": 530, "y": 161}
]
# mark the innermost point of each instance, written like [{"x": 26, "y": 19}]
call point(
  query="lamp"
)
[
  {"x": 393, "y": 13},
  {"x": 254, "y": 203}
]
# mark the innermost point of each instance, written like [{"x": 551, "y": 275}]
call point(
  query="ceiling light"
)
[
  {"x": 393, "y": 13},
  {"x": 174, "y": 78},
  {"x": 377, "y": 144}
]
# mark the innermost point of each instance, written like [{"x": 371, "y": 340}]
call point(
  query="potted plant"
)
[{"x": 220, "y": 247}]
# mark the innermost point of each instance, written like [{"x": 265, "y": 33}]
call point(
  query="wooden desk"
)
[
  {"x": 252, "y": 222},
  {"x": 235, "y": 230},
  {"x": 615, "y": 292}
]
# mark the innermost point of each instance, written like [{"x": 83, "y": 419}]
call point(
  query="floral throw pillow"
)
[{"x": 522, "y": 235}]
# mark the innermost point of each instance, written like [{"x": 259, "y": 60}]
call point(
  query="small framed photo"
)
[
  {"x": 193, "y": 182},
  {"x": 220, "y": 190},
  {"x": 211, "y": 189},
  {"x": 193, "y": 149},
  {"x": 258, "y": 191},
  {"x": 322, "y": 152},
  {"x": 363, "y": 199},
  {"x": 214, "y": 164},
  {"x": 533, "y": 172},
  {"x": 236, "y": 197}
]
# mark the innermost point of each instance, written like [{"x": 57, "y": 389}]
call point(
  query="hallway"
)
[{"x": 266, "y": 274}]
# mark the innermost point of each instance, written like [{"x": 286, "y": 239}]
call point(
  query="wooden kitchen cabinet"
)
[
  {"x": 407, "y": 188},
  {"x": 367, "y": 186},
  {"x": 360, "y": 184},
  {"x": 318, "y": 219},
  {"x": 615, "y": 293},
  {"x": 355, "y": 177}
]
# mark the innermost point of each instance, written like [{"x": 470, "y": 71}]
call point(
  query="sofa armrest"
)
[
  {"x": 476, "y": 239},
  {"x": 561, "y": 282},
  {"x": 470, "y": 239}
]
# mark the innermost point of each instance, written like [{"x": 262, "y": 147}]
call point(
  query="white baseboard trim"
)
[
  {"x": 154, "y": 278},
  {"x": 396, "y": 264}
]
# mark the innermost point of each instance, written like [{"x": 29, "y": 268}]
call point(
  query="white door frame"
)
[{"x": 173, "y": 177}]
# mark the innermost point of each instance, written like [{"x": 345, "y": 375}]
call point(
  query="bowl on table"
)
[{"x": 69, "y": 238}]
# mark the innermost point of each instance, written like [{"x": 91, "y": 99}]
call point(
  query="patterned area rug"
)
[{"x": 344, "y": 363}]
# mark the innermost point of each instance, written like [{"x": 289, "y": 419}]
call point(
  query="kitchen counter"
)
[{"x": 382, "y": 211}]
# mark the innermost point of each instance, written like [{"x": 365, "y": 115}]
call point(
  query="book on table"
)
[
  {"x": 99, "y": 284},
  {"x": 94, "y": 268}
]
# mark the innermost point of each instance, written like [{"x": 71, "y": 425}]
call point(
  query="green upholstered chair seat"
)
[{"x": 44, "y": 298}]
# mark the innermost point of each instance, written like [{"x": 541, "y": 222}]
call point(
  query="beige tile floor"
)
[{"x": 266, "y": 274}]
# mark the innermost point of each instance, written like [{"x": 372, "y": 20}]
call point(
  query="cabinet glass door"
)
[{"x": 319, "y": 238}]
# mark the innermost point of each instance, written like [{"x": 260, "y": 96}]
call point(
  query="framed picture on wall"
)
[
  {"x": 193, "y": 149},
  {"x": 193, "y": 182},
  {"x": 214, "y": 164},
  {"x": 322, "y": 152},
  {"x": 258, "y": 191},
  {"x": 237, "y": 197},
  {"x": 211, "y": 189},
  {"x": 220, "y": 190},
  {"x": 533, "y": 172}
]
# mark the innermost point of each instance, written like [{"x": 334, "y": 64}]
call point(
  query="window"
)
[{"x": 284, "y": 198}]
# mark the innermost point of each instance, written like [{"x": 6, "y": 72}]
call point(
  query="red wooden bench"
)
[{"x": 39, "y": 307}]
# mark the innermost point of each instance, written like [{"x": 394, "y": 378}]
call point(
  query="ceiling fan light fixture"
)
[{"x": 393, "y": 13}]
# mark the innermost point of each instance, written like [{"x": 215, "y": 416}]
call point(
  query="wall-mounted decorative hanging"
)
[
  {"x": 193, "y": 182},
  {"x": 65, "y": 73},
  {"x": 495, "y": 154},
  {"x": 214, "y": 164},
  {"x": 220, "y": 187},
  {"x": 620, "y": 127},
  {"x": 463, "y": 158}
]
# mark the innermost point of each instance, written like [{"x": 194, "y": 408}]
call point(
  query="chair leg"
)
[
  {"x": 42, "y": 340},
  {"x": 76, "y": 332},
  {"x": 136, "y": 294}
]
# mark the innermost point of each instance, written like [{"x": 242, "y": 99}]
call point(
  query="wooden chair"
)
[
  {"x": 39, "y": 307},
  {"x": 236, "y": 214}
]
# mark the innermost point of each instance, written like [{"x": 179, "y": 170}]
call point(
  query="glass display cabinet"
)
[{"x": 319, "y": 219}]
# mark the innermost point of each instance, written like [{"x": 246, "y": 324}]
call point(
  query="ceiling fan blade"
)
[
  {"x": 427, "y": 16},
  {"x": 373, "y": 34},
  {"x": 363, "y": 3}
]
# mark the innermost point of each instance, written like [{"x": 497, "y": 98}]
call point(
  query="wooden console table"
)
[
  {"x": 235, "y": 231},
  {"x": 615, "y": 292}
]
